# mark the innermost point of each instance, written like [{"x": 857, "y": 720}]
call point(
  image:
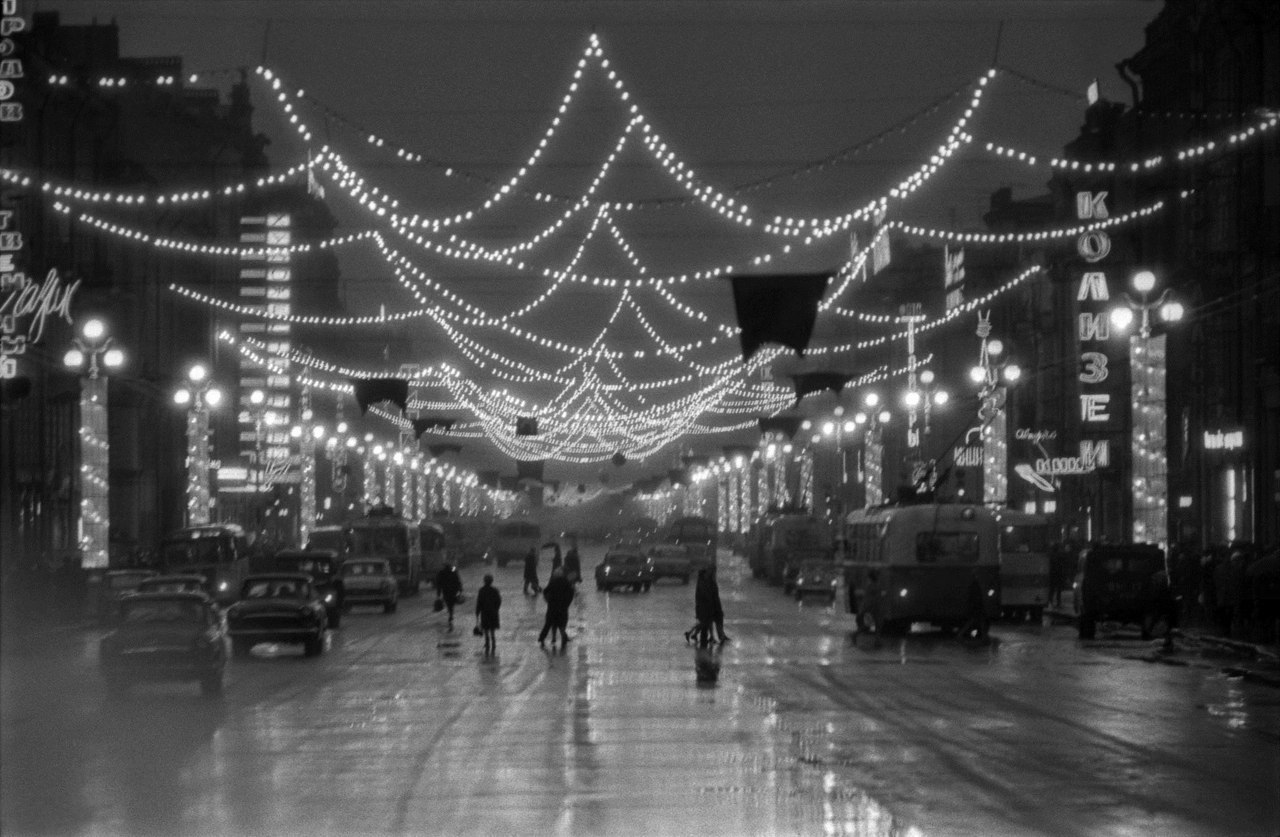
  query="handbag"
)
[
  {"x": 476, "y": 630},
  {"x": 438, "y": 605}
]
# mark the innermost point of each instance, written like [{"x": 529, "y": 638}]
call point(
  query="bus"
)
[
  {"x": 217, "y": 551},
  {"x": 466, "y": 538},
  {"x": 698, "y": 536},
  {"x": 1025, "y": 542},
  {"x": 929, "y": 562},
  {"x": 383, "y": 534},
  {"x": 783, "y": 542},
  {"x": 512, "y": 540}
]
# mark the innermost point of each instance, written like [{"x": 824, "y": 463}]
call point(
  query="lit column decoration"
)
[
  {"x": 391, "y": 479},
  {"x": 308, "y": 433},
  {"x": 408, "y": 498},
  {"x": 368, "y": 476},
  {"x": 1149, "y": 443},
  {"x": 722, "y": 501},
  {"x": 991, "y": 374},
  {"x": 873, "y": 448},
  {"x": 806, "y": 479},
  {"x": 422, "y": 503},
  {"x": 784, "y": 476},
  {"x": 762, "y": 489},
  {"x": 377, "y": 464},
  {"x": 199, "y": 396},
  {"x": 93, "y": 351}
]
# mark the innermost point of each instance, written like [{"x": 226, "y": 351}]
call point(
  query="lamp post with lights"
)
[
  {"x": 993, "y": 374},
  {"x": 1149, "y": 442},
  {"x": 92, "y": 352},
  {"x": 922, "y": 395},
  {"x": 199, "y": 396}
]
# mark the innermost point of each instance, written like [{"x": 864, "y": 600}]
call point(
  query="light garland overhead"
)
[{"x": 1156, "y": 162}]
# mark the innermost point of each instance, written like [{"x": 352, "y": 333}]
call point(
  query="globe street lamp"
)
[
  {"x": 993, "y": 374},
  {"x": 199, "y": 396},
  {"x": 1149, "y": 443},
  {"x": 93, "y": 352}
]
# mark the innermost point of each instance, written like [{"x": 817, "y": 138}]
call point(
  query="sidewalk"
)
[{"x": 1254, "y": 662}]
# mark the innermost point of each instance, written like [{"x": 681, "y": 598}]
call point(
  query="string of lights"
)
[{"x": 1156, "y": 162}]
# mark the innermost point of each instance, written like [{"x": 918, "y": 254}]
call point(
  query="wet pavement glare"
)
[{"x": 402, "y": 727}]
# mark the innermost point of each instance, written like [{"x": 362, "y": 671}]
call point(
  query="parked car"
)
[
  {"x": 277, "y": 607},
  {"x": 671, "y": 560},
  {"x": 180, "y": 583},
  {"x": 115, "y": 586},
  {"x": 369, "y": 581},
  {"x": 624, "y": 568},
  {"x": 817, "y": 578},
  {"x": 1120, "y": 583},
  {"x": 324, "y": 567},
  {"x": 166, "y": 636}
]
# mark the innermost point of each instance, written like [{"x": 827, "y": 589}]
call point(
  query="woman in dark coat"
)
[
  {"x": 488, "y": 602},
  {"x": 449, "y": 588}
]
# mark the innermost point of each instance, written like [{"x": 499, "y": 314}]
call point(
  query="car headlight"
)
[
  {"x": 903, "y": 592},
  {"x": 328, "y": 597},
  {"x": 834, "y": 582},
  {"x": 222, "y": 585}
]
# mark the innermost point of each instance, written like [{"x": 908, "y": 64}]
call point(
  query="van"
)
[{"x": 1124, "y": 583}]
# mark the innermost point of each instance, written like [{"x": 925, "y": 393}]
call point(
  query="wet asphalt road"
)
[{"x": 402, "y": 727}]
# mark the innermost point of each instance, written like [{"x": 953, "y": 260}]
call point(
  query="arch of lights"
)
[{"x": 587, "y": 401}]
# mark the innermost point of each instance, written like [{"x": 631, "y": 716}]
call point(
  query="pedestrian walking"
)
[
  {"x": 448, "y": 588},
  {"x": 717, "y": 612},
  {"x": 572, "y": 564},
  {"x": 557, "y": 562},
  {"x": 531, "y": 572},
  {"x": 488, "y": 603},
  {"x": 705, "y": 601},
  {"x": 559, "y": 594}
]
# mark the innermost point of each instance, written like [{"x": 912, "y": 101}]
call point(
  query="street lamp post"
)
[
  {"x": 1149, "y": 443},
  {"x": 922, "y": 395},
  {"x": 93, "y": 351},
  {"x": 199, "y": 396},
  {"x": 992, "y": 375}
]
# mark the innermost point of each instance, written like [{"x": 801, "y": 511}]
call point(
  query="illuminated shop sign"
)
[
  {"x": 1093, "y": 329},
  {"x": 1224, "y": 440},
  {"x": 1093, "y": 455}
]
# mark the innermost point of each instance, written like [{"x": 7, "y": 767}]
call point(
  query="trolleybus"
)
[{"x": 929, "y": 562}]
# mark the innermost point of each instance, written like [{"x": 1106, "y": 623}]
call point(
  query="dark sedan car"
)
[
  {"x": 165, "y": 636},
  {"x": 114, "y": 587},
  {"x": 324, "y": 567},
  {"x": 277, "y": 607},
  {"x": 623, "y": 568}
]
